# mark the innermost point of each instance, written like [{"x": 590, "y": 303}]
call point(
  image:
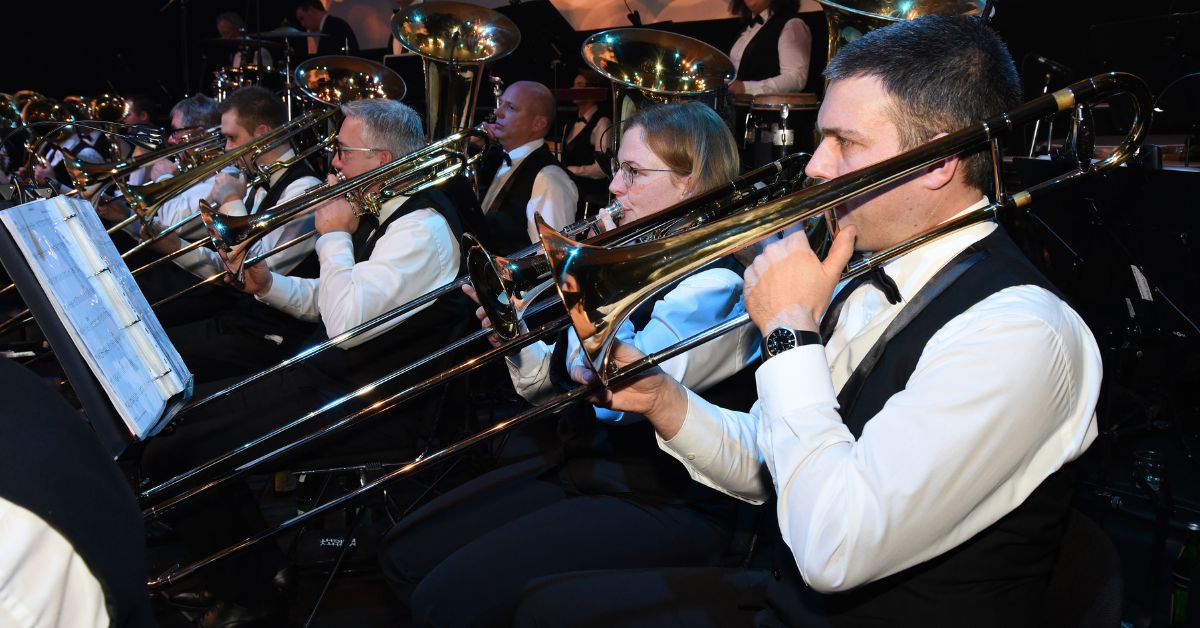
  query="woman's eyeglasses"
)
[{"x": 629, "y": 171}]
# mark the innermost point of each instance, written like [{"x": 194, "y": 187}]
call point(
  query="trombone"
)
[
  {"x": 770, "y": 181},
  {"x": 662, "y": 261}
]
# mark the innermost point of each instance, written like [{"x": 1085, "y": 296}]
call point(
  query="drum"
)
[
  {"x": 228, "y": 79},
  {"x": 770, "y": 126}
]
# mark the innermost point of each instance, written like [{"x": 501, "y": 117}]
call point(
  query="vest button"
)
[{"x": 776, "y": 574}]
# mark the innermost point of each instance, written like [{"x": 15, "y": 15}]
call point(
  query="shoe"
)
[
  {"x": 196, "y": 599},
  {"x": 226, "y": 615}
]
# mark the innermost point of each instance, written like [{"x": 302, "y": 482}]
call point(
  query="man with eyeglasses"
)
[
  {"x": 526, "y": 179},
  {"x": 369, "y": 264}
]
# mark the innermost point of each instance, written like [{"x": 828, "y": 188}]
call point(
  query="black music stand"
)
[{"x": 97, "y": 409}]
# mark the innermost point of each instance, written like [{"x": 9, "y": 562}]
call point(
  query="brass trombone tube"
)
[
  {"x": 145, "y": 200},
  {"x": 577, "y": 394},
  {"x": 215, "y": 277},
  {"x": 461, "y": 368},
  {"x": 400, "y": 310},
  {"x": 607, "y": 283},
  {"x": 727, "y": 198}
]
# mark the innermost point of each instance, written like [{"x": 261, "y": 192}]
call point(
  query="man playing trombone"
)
[
  {"x": 928, "y": 484},
  {"x": 242, "y": 337},
  {"x": 368, "y": 265}
]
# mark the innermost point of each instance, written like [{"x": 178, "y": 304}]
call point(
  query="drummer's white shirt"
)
[{"x": 795, "y": 44}]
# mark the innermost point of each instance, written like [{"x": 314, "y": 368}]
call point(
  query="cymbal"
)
[
  {"x": 283, "y": 32},
  {"x": 568, "y": 94},
  {"x": 243, "y": 43}
]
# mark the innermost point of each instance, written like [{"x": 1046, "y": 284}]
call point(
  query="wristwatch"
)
[{"x": 781, "y": 339}]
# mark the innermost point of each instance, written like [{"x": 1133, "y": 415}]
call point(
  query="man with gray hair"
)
[{"x": 369, "y": 264}]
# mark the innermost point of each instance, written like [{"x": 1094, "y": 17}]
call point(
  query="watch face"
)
[{"x": 780, "y": 340}]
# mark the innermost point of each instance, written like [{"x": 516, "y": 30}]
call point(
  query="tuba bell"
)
[
  {"x": 649, "y": 66},
  {"x": 455, "y": 39},
  {"x": 850, "y": 19}
]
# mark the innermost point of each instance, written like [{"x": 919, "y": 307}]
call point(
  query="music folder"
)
[{"x": 95, "y": 317}]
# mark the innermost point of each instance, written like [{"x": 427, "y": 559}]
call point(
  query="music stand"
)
[{"x": 97, "y": 409}]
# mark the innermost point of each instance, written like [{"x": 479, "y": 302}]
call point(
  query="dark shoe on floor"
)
[
  {"x": 196, "y": 599},
  {"x": 226, "y": 615}
]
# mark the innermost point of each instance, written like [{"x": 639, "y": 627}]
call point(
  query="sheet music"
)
[{"x": 102, "y": 308}]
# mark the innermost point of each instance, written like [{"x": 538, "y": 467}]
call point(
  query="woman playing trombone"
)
[{"x": 598, "y": 494}]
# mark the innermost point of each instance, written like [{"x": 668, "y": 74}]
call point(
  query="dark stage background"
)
[{"x": 63, "y": 48}]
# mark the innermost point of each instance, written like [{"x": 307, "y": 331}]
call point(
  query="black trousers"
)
[
  {"x": 227, "y": 515},
  {"x": 705, "y": 597},
  {"x": 465, "y": 558}
]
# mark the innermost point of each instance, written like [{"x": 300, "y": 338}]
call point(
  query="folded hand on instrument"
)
[
  {"x": 484, "y": 321},
  {"x": 255, "y": 279},
  {"x": 789, "y": 286},
  {"x": 227, "y": 188},
  {"x": 653, "y": 394},
  {"x": 336, "y": 214},
  {"x": 113, "y": 210},
  {"x": 163, "y": 167}
]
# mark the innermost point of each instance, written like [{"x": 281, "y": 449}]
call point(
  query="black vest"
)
[
  {"x": 579, "y": 151},
  {"x": 760, "y": 59},
  {"x": 421, "y": 333},
  {"x": 52, "y": 465},
  {"x": 997, "y": 578},
  {"x": 506, "y": 222},
  {"x": 310, "y": 266},
  {"x": 606, "y": 458}
]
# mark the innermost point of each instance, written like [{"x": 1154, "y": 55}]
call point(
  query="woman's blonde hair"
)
[{"x": 691, "y": 139}]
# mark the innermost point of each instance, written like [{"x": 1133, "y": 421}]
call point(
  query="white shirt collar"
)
[
  {"x": 278, "y": 174},
  {"x": 912, "y": 271},
  {"x": 390, "y": 206},
  {"x": 522, "y": 151}
]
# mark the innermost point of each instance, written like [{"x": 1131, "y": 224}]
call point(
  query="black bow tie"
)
[
  {"x": 876, "y": 277},
  {"x": 757, "y": 20}
]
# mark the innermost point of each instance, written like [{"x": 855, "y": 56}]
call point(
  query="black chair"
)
[{"x": 1086, "y": 588}]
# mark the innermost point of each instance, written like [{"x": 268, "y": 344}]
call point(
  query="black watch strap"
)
[{"x": 781, "y": 339}]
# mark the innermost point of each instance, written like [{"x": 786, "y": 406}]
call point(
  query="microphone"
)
[
  {"x": 1054, "y": 66},
  {"x": 634, "y": 17}
]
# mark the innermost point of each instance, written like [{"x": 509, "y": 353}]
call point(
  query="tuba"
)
[
  {"x": 455, "y": 40},
  {"x": 850, "y": 19},
  {"x": 649, "y": 66}
]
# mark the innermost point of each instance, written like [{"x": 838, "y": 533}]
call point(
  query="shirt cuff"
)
[
  {"x": 279, "y": 293},
  {"x": 334, "y": 242},
  {"x": 698, "y": 441},
  {"x": 795, "y": 379},
  {"x": 233, "y": 208}
]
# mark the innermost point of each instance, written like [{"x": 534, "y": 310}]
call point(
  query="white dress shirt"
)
[
  {"x": 1002, "y": 396},
  {"x": 204, "y": 262},
  {"x": 183, "y": 205},
  {"x": 554, "y": 195},
  {"x": 44, "y": 582},
  {"x": 698, "y": 303},
  {"x": 416, "y": 254},
  {"x": 795, "y": 45},
  {"x": 592, "y": 170}
]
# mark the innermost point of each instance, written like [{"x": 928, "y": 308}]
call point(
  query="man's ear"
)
[
  {"x": 938, "y": 174},
  {"x": 385, "y": 156},
  {"x": 260, "y": 129}
]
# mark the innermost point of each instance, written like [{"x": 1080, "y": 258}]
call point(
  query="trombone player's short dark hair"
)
[
  {"x": 943, "y": 74},
  {"x": 255, "y": 105}
]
